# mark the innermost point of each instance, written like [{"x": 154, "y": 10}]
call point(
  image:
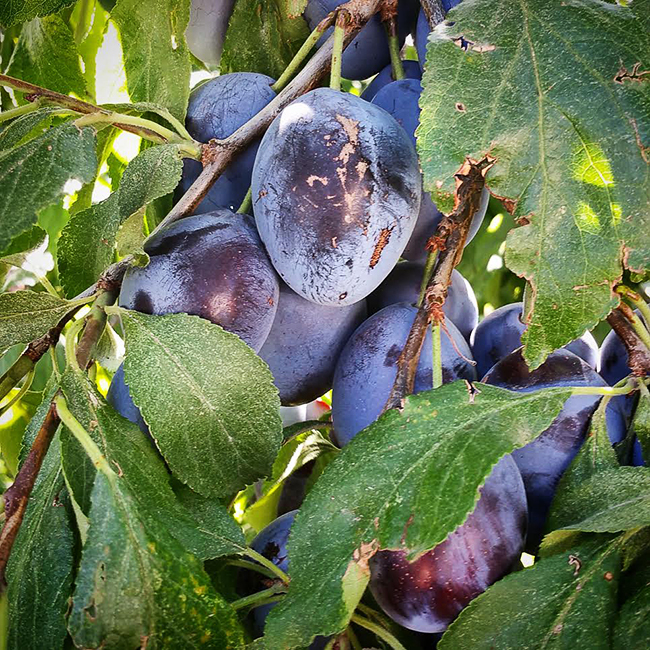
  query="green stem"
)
[
  {"x": 627, "y": 387},
  {"x": 354, "y": 642},
  {"x": 303, "y": 52},
  {"x": 12, "y": 113},
  {"x": 643, "y": 389},
  {"x": 337, "y": 52},
  {"x": 393, "y": 46},
  {"x": 381, "y": 632},
  {"x": 437, "y": 355},
  {"x": 259, "y": 597},
  {"x": 637, "y": 301},
  {"x": 426, "y": 276},
  {"x": 70, "y": 343},
  {"x": 23, "y": 389},
  {"x": 90, "y": 447},
  {"x": 640, "y": 329},
  {"x": 47, "y": 285},
  {"x": 21, "y": 367},
  {"x": 246, "y": 206},
  {"x": 258, "y": 557},
  {"x": 252, "y": 566},
  {"x": 111, "y": 117}
]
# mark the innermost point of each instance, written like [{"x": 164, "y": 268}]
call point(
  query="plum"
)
[
  {"x": 217, "y": 109},
  {"x": 385, "y": 76},
  {"x": 304, "y": 343},
  {"x": 119, "y": 397},
  {"x": 403, "y": 285},
  {"x": 428, "y": 594},
  {"x": 206, "y": 30},
  {"x": 543, "y": 461},
  {"x": 499, "y": 333},
  {"x": 336, "y": 193},
  {"x": 271, "y": 542},
  {"x": 368, "y": 53},
  {"x": 401, "y": 99},
  {"x": 614, "y": 367},
  {"x": 366, "y": 369},
  {"x": 211, "y": 265}
]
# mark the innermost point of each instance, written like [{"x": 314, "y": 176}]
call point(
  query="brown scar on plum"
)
[{"x": 384, "y": 238}]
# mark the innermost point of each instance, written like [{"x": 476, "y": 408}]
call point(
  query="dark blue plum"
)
[
  {"x": 400, "y": 99},
  {"x": 543, "y": 461},
  {"x": 614, "y": 367},
  {"x": 403, "y": 285},
  {"x": 411, "y": 71},
  {"x": 119, "y": 398},
  {"x": 336, "y": 193},
  {"x": 368, "y": 53},
  {"x": 271, "y": 542},
  {"x": 217, "y": 109},
  {"x": 366, "y": 369},
  {"x": 499, "y": 334},
  {"x": 304, "y": 343},
  {"x": 211, "y": 265},
  {"x": 428, "y": 594},
  {"x": 206, "y": 30}
]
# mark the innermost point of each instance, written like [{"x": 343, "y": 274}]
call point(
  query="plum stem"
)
[
  {"x": 337, "y": 50},
  {"x": 13, "y": 113},
  {"x": 304, "y": 51},
  {"x": 437, "y": 355},
  {"x": 379, "y": 631},
  {"x": 258, "y": 557},
  {"x": 389, "y": 18},
  {"x": 246, "y": 206},
  {"x": 21, "y": 392},
  {"x": 259, "y": 598},
  {"x": 252, "y": 566},
  {"x": 629, "y": 386},
  {"x": 637, "y": 301},
  {"x": 428, "y": 267}
]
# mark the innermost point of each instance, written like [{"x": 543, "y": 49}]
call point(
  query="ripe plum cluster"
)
[{"x": 312, "y": 281}]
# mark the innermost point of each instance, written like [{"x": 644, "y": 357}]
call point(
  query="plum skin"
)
[
  {"x": 543, "y": 461},
  {"x": 428, "y": 594},
  {"x": 206, "y": 30},
  {"x": 499, "y": 334},
  {"x": 403, "y": 285},
  {"x": 304, "y": 343},
  {"x": 385, "y": 76},
  {"x": 216, "y": 109},
  {"x": 366, "y": 369},
  {"x": 336, "y": 192},
  {"x": 211, "y": 265}
]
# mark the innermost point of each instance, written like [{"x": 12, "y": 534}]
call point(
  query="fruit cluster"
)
[{"x": 313, "y": 282}]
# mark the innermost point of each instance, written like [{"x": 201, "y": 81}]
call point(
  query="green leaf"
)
[
  {"x": 632, "y": 631},
  {"x": 608, "y": 502},
  {"x": 564, "y": 601},
  {"x": 182, "y": 368},
  {"x": 156, "y": 58},
  {"x": 203, "y": 527},
  {"x": 263, "y": 36},
  {"x": 136, "y": 583},
  {"x": 509, "y": 79},
  {"x": 22, "y": 245},
  {"x": 46, "y": 55},
  {"x": 405, "y": 482},
  {"x": 20, "y": 11},
  {"x": 33, "y": 175},
  {"x": 25, "y": 127},
  {"x": 26, "y": 315},
  {"x": 86, "y": 245},
  {"x": 150, "y": 175},
  {"x": 90, "y": 45},
  {"x": 39, "y": 571}
]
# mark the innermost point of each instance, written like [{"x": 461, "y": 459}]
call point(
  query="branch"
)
[
  {"x": 637, "y": 353},
  {"x": 449, "y": 240},
  {"x": 218, "y": 154},
  {"x": 45, "y": 96},
  {"x": 17, "y": 496},
  {"x": 434, "y": 11}
]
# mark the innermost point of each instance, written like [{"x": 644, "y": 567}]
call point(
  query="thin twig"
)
[
  {"x": 449, "y": 240},
  {"x": 219, "y": 153},
  {"x": 388, "y": 15},
  {"x": 638, "y": 355},
  {"x": 434, "y": 11}
]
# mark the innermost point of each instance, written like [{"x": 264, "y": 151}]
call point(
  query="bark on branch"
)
[
  {"x": 638, "y": 355},
  {"x": 449, "y": 240}
]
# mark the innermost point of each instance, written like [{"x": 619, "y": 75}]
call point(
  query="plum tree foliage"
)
[{"x": 199, "y": 240}]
